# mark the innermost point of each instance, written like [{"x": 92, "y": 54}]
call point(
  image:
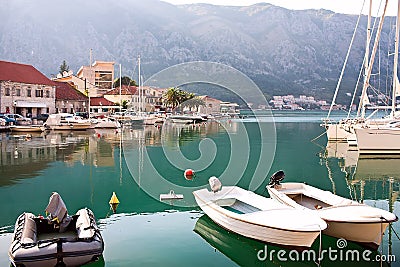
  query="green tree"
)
[
  {"x": 124, "y": 81},
  {"x": 64, "y": 67},
  {"x": 124, "y": 104},
  {"x": 171, "y": 97},
  {"x": 175, "y": 97}
]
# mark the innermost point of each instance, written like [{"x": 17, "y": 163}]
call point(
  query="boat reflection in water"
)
[
  {"x": 249, "y": 252},
  {"x": 370, "y": 179}
]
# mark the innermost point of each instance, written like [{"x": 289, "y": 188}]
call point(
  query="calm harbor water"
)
[{"x": 141, "y": 163}]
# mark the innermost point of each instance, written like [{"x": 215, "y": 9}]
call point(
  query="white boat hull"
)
[
  {"x": 107, "y": 125},
  {"x": 368, "y": 234},
  {"x": 378, "y": 141},
  {"x": 336, "y": 132},
  {"x": 265, "y": 219},
  {"x": 69, "y": 127},
  {"x": 258, "y": 232},
  {"x": 26, "y": 128},
  {"x": 345, "y": 218}
]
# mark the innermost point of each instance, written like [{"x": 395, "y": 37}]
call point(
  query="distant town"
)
[
  {"x": 303, "y": 102},
  {"x": 26, "y": 91}
]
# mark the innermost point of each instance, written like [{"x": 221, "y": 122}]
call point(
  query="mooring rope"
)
[{"x": 315, "y": 138}]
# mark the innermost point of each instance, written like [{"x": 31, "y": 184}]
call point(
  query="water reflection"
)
[
  {"x": 246, "y": 252},
  {"x": 86, "y": 167},
  {"x": 367, "y": 177},
  {"x": 371, "y": 180}
]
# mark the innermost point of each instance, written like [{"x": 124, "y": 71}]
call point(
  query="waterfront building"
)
[
  {"x": 153, "y": 98},
  {"x": 70, "y": 100},
  {"x": 229, "y": 108},
  {"x": 211, "y": 105},
  {"x": 100, "y": 73},
  {"x": 150, "y": 97},
  {"x": 81, "y": 84},
  {"x": 126, "y": 94},
  {"x": 24, "y": 90},
  {"x": 102, "y": 106}
]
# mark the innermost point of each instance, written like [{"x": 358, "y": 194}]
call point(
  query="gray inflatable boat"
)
[{"x": 57, "y": 240}]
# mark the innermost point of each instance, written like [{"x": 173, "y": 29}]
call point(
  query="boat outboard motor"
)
[
  {"x": 58, "y": 213},
  {"x": 276, "y": 178},
  {"x": 215, "y": 184}
]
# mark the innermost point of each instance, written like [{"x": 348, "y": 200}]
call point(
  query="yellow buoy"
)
[
  {"x": 114, "y": 202},
  {"x": 114, "y": 199}
]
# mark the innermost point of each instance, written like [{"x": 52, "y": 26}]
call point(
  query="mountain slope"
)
[{"x": 283, "y": 51}]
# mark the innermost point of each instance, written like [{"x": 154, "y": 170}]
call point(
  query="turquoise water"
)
[{"x": 141, "y": 163}]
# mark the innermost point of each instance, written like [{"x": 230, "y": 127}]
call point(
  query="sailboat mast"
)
[
  {"x": 139, "y": 81},
  {"x": 371, "y": 61},
  {"x": 120, "y": 87},
  {"x": 90, "y": 80},
  {"x": 395, "y": 61},
  {"x": 366, "y": 61}
]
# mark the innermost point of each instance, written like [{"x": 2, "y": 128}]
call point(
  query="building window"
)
[
  {"x": 39, "y": 93},
  {"x": 47, "y": 93},
  {"x": 18, "y": 92},
  {"x": 7, "y": 92},
  {"x": 29, "y": 93}
]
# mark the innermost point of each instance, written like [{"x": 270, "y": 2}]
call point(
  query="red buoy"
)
[{"x": 189, "y": 173}]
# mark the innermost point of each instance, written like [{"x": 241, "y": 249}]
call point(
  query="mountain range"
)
[{"x": 283, "y": 51}]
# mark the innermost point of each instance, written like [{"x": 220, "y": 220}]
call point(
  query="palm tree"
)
[
  {"x": 171, "y": 97},
  {"x": 175, "y": 97}
]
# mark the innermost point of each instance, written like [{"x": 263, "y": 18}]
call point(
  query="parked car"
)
[
  {"x": 9, "y": 120},
  {"x": 41, "y": 117},
  {"x": 84, "y": 115},
  {"x": 15, "y": 118}
]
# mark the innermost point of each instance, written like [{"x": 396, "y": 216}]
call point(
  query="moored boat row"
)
[
  {"x": 372, "y": 136},
  {"x": 271, "y": 219}
]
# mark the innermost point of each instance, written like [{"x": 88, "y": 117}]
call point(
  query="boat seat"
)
[{"x": 29, "y": 234}]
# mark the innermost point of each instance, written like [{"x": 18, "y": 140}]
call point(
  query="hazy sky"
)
[{"x": 338, "y": 6}]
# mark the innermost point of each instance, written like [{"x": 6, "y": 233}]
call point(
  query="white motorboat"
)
[
  {"x": 65, "y": 121},
  {"x": 107, "y": 123},
  {"x": 258, "y": 217},
  {"x": 346, "y": 218},
  {"x": 186, "y": 119},
  {"x": 58, "y": 240}
]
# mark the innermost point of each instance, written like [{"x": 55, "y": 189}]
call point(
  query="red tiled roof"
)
[
  {"x": 125, "y": 90},
  {"x": 16, "y": 72},
  {"x": 95, "y": 101},
  {"x": 64, "y": 91}
]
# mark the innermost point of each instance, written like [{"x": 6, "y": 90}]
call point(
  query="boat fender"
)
[
  {"x": 85, "y": 224},
  {"x": 29, "y": 232}
]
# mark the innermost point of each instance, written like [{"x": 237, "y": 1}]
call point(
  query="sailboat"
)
[
  {"x": 345, "y": 129},
  {"x": 384, "y": 139}
]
